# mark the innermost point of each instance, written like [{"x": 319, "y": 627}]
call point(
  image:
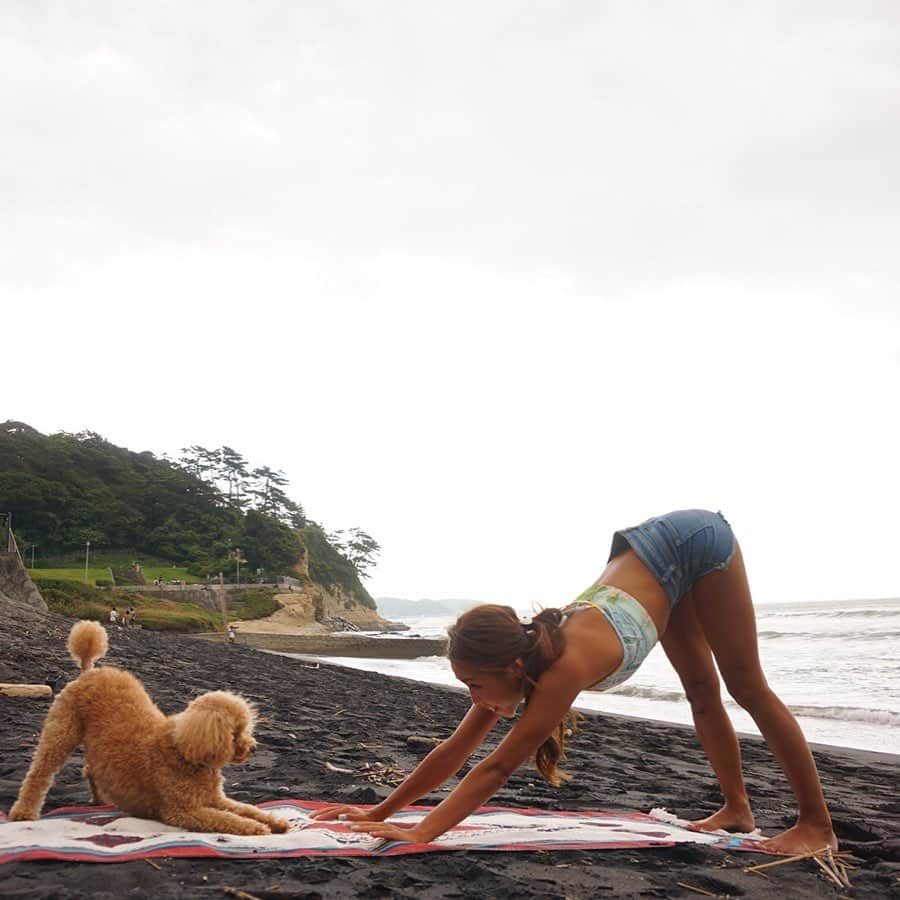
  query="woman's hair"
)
[{"x": 491, "y": 638}]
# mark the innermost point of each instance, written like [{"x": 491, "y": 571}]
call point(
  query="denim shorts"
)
[{"x": 679, "y": 548}]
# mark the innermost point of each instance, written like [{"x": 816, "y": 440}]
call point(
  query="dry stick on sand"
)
[
  {"x": 782, "y": 862},
  {"x": 241, "y": 895},
  {"x": 379, "y": 773},
  {"x": 26, "y": 690},
  {"x": 696, "y": 890},
  {"x": 839, "y": 867},
  {"x": 829, "y": 872},
  {"x": 824, "y": 857}
]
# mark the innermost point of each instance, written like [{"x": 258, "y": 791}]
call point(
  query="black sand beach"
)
[{"x": 313, "y": 716}]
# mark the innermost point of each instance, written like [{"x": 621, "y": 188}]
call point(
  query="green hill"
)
[{"x": 197, "y": 513}]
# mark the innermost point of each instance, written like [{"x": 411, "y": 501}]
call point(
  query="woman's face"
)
[{"x": 499, "y": 691}]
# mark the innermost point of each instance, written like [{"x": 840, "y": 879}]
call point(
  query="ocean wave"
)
[
  {"x": 763, "y": 613},
  {"x": 648, "y": 693},
  {"x": 848, "y": 714},
  {"x": 840, "y": 713},
  {"x": 831, "y": 635},
  {"x": 864, "y": 613}
]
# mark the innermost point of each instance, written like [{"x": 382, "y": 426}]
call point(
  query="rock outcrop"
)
[
  {"x": 313, "y": 609},
  {"x": 17, "y": 589}
]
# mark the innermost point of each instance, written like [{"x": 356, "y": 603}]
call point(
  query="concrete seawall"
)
[{"x": 338, "y": 645}]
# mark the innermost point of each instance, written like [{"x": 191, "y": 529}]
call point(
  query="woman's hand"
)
[
  {"x": 411, "y": 834},
  {"x": 350, "y": 813}
]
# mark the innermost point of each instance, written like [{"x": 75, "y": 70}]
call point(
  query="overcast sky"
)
[{"x": 488, "y": 280}]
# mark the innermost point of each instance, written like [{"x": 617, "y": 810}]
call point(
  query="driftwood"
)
[
  {"x": 832, "y": 862},
  {"x": 422, "y": 742},
  {"x": 26, "y": 690}
]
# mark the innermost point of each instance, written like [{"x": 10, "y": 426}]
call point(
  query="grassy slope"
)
[
  {"x": 66, "y": 568},
  {"x": 156, "y": 613}
]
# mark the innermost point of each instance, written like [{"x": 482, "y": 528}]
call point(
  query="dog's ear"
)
[{"x": 203, "y": 734}]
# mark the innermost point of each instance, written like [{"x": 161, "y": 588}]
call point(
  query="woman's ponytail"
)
[
  {"x": 492, "y": 638},
  {"x": 547, "y": 644}
]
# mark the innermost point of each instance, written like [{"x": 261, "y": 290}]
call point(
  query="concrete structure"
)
[{"x": 344, "y": 644}]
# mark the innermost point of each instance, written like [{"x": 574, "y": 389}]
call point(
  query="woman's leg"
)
[
  {"x": 725, "y": 612},
  {"x": 690, "y": 655}
]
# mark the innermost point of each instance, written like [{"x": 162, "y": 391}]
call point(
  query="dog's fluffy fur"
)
[{"x": 149, "y": 765}]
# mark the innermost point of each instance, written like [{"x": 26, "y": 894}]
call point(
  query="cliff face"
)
[
  {"x": 16, "y": 588},
  {"x": 321, "y": 597},
  {"x": 343, "y": 593},
  {"x": 310, "y": 609}
]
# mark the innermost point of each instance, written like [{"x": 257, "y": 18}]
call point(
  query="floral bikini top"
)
[{"x": 630, "y": 622}]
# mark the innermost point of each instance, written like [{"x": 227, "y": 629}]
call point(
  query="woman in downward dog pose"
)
[{"x": 679, "y": 578}]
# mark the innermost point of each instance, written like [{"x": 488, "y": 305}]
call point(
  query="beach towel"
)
[{"x": 104, "y": 834}]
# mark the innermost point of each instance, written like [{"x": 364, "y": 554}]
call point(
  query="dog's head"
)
[{"x": 216, "y": 729}]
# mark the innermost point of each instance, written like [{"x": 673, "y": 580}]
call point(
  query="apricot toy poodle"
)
[{"x": 147, "y": 764}]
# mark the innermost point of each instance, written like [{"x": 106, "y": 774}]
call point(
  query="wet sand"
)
[{"x": 313, "y": 716}]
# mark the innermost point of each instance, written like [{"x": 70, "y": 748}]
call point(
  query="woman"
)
[{"x": 678, "y": 577}]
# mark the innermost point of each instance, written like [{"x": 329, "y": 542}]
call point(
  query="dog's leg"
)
[
  {"x": 61, "y": 735},
  {"x": 96, "y": 796},
  {"x": 278, "y": 826},
  {"x": 206, "y": 818}
]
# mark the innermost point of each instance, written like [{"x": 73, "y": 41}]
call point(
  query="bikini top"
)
[{"x": 631, "y": 623}]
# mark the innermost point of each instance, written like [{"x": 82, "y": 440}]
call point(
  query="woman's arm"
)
[
  {"x": 441, "y": 763},
  {"x": 552, "y": 698}
]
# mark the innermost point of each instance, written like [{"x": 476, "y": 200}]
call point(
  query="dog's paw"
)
[
  {"x": 21, "y": 813},
  {"x": 278, "y": 826},
  {"x": 257, "y": 828}
]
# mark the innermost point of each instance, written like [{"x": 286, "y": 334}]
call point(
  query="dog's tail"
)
[{"x": 87, "y": 643}]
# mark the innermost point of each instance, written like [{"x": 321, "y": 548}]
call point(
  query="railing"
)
[
  {"x": 14, "y": 547},
  {"x": 193, "y": 586},
  {"x": 8, "y": 542}
]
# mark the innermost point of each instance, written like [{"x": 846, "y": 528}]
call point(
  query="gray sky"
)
[{"x": 488, "y": 280}]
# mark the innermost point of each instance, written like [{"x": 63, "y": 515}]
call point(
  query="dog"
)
[{"x": 147, "y": 764}]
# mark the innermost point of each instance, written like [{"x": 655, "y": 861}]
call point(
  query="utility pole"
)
[
  {"x": 237, "y": 565},
  {"x": 223, "y": 601},
  {"x": 87, "y": 554},
  {"x": 32, "y": 556}
]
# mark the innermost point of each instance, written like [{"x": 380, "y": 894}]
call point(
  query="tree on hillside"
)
[
  {"x": 359, "y": 548},
  {"x": 227, "y": 474},
  {"x": 233, "y": 470},
  {"x": 269, "y": 544},
  {"x": 93, "y": 536},
  {"x": 199, "y": 461},
  {"x": 267, "y": 487}
]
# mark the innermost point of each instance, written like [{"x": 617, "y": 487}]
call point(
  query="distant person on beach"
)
[
  {"x": 678, "y": 578},
  {"x": 113, "y": 616},
  {"x": 232, "y": 634}
]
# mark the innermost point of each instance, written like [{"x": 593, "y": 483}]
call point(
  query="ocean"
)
[{"x": 836, "y": 665}]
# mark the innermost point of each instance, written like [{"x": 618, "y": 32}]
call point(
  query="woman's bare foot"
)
[
  {"x": 802, "y": 838},
  {"x": 731, "y": 817}
]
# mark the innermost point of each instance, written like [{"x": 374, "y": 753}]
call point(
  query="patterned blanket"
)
[{"x": 104, "y": 834}]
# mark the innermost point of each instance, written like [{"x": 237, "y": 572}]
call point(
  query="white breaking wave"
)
[
  {"x": 830, "y": 636},
  {"x": 648, "y": 693},
  {"x": 848, "y": 714},
  {"x": 844, "y": 713},
  {"x": 762, "y": 613}
]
